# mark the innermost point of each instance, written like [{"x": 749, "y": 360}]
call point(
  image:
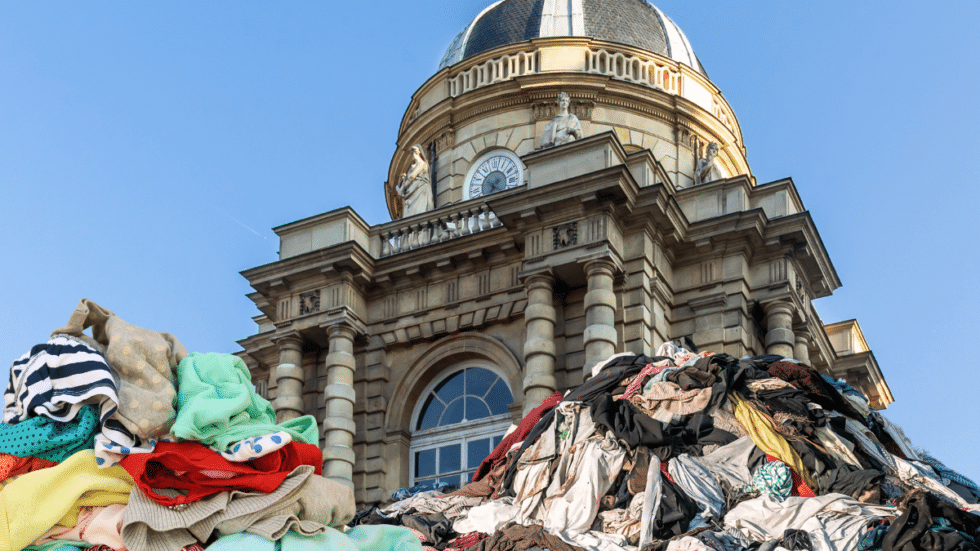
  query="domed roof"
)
[{"x": 633, "y": 22}]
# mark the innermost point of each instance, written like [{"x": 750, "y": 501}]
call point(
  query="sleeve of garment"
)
[{"x": 36, "y": 501}]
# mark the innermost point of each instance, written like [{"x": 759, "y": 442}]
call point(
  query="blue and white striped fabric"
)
[{"x": 56, "y": 378}]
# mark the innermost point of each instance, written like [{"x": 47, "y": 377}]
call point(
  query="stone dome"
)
[{"x": 632, "y": 22}]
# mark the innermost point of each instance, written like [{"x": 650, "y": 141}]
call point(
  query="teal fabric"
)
[
  {"x": 60, "y": 545},
  {"x": 217, "y": 406},
  {"x": 773, "y": 478},
  {"x": 49, "y": 439},
  {"x": 360, "y": 538}
]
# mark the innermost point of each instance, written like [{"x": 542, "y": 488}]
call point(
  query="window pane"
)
[
  {"x": 451, "y": 388},
  {"x": 476, "y": 409},
  {"x": 496, "y": 440},
  {"x": 454, "y": 479},
  {"x": 425, "y": 463},
  {"x": 449, "y": 458},
  {"x": 426, "y": 481},
  {"x": 499, "y": 398},
  {"x": 453, "y": 414},
  {"x": 479, "y": 381},
  {"x": 430, "y": 413},
  {"x": 476, "y": 452}
]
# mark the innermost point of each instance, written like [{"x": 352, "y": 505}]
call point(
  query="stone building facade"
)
[{"x": 526, "y": 262}]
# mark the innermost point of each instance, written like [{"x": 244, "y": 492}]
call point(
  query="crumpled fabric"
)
[
  {"x": 144, "y": 362},
  {"x": 571, "y": 502},
  {"x": 218, "y": 407},
  {"x": 697, "y": 482},
  {"x": 304, "y": 503},
  {"x": 764, "y": 518},
  {"x": 917, "y": 529},
  {"x": 765, "y": 436},
  {"x": 360, "y": 538},
  {"x": 772, "y": 479},
  {"x": 518, "y": 435},
  {"x": 96, "y": 526},
  {"x": 625, "y": 522},
  {"x": 49, "y": 439},
  {"x": 665, "y": 399},
  {"x": 488, "y": 517}
]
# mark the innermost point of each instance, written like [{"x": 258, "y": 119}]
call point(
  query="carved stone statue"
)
[
  {"x": 707, "y": 169},
  {"x": 564, "y": 128},
  {"x": 414, "y": 187}
]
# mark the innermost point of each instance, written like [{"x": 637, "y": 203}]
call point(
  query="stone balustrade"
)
[
  {"x": 630, "y": 68},
  {"x": 439, "y": 227},
  {"x": 495, "y": 70}
]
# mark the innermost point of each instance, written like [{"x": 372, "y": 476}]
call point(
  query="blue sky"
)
[{"x": 147, "y": 149}]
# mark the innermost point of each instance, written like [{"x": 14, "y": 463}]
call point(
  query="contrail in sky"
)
[{"x": 242, "y": 224}]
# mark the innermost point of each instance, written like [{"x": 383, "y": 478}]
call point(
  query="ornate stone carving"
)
[
  {"x": 565, "y": 235},
  {"x": 309, "y": 302},
  {"x": 445, "y": 140},
  {"x": 564, "y": 127},
  {"x": 546, "y": 111},
  {"x": 415, "y": 188},
  {"x": 707, "y": 170}
]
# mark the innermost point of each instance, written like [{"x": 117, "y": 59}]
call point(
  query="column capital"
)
[
  {"x": 341, "y": 330},
  {"x": 779, "y": 307},
  {"x": 539, "y": 279},
  {"x": 602, "y": 266},
  {"x": 291, "y": 340}
]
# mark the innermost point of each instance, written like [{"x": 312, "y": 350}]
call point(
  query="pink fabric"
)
[
  {"x": 648, "y": 371},
  {"x": 96, "y": 525}
]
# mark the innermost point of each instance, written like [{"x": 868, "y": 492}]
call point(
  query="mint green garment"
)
[
  {"x": 361, "y": 538},
  {"x": 217, "y": 406},
  {"x": 60, "y": 545}
]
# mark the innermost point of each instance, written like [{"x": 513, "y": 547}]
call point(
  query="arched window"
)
[{"x": 462, "y": 416}]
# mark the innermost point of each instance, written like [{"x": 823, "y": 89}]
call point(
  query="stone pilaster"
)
[
  {"x": 779, "y": 335},
  {"x": 539, "y": 345},
  {"x": 289, "y": 378},
  {"x": 338, "y": 419},
  {"x": 802, "y": 350},
  {"x": 599, "y": 337}
]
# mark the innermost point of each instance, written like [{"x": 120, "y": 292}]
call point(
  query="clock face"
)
[{"x": 494, "y": 174}]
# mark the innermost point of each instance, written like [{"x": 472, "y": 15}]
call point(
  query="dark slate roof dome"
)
[{"x": 633, "y": 22}]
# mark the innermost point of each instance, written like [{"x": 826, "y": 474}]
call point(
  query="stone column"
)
[
  {"x": 289, "y": 378},
  {"x": 338, "y": 398},
  {"x": 802, "y": 350},
  {"x": 539, "y": 346},
  {"x": 779, "y": 321},
  {"x": 600, "y": 314}
]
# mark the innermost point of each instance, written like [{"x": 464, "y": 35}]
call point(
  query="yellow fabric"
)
[
  {"x": 37, "y": 501},
  {"x": 763, "y": 434}
]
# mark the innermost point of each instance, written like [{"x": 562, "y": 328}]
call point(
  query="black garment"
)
[
  {"x": 848, "y": 480},
  {"x": 915, "y": 529},
  {"x": 609, "y": 378},
  {"x": 794, "y": 540},
  {"x": 436, "y": 528},
  {"x": 675, "y": 512},
  {"x": 374, "y": 516},
  {"x": 635, "y": 428},
  {"x": 692, "y": 377}
]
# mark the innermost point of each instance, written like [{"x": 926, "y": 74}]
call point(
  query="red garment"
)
[
  {"x": 11, "y": 465},
  {"x": 663, "y": 471},
  {"x": 467, "y": 540},
  {"x": 520, "y": 433},
  {"x": 159, "y": 469}
]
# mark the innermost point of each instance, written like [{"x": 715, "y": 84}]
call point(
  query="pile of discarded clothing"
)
[
  {"x": 122, "y": 440},
  {"x": 699, "y": 452}
]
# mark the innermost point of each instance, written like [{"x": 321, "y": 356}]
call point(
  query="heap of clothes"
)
[
  {"x": 122, "y": 440},
  {"x": 699, "y": 452}
]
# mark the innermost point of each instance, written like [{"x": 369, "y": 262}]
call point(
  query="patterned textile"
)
[
  {"x": 56, "y": 379},
  {"x": 637, "y": 384},
  {"x": 467, "y": 540},
  {"x": 144, "y": 362},
  {"x": 949, "y": 474},
  {"x": 800, "y": 487},
  {"x": 773, "y": 479},
  {"x": 49, "y": 439}
]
